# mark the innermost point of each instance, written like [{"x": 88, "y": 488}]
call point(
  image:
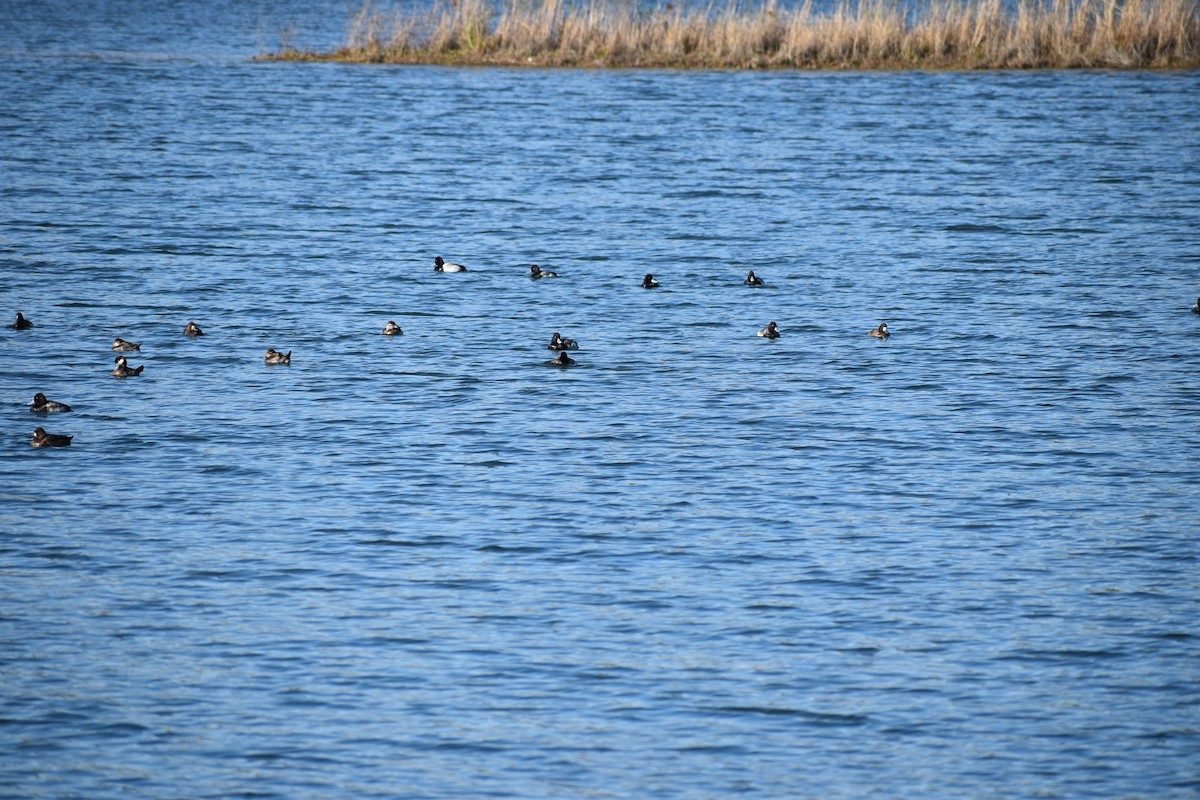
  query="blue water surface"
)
[{"x": 959, "y": 562}]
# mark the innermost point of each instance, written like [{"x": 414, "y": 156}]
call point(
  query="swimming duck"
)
[
  {"x": 753, "y": 280},
  {"x": 192, "y": 329},
  {"x": 557, "y": 342},
  {"x": 123, "y": 370},
  {"x": 21, "y": 324},
  {"x": 648, "y": 282},
  {"x": 881, "y": 332},
  {"x": 276, "y": 357},
  {"x": 1196, "y": 308},
  {"x": 536, "y": 273},
  {"x": 563, "y": 360},
  {"x": 124, "y": 346},
  {"x": 446, "y": 266},
  {"x": 41, "y": 405},
  {"x": 770, "y": 332},
  {"x": 43, "y": 439},
  {"x": 392, "y": 329}
]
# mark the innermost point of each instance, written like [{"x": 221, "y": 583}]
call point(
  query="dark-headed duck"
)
[
  {"x": 192, "y": 329},
  {"x": 1196, "y": 308},
  {"x": 41, "y": 405},
  {"x": 557, "y": 342},
  {"x": 123, "y": 370},
  {"x": 881, "y": 332},
  {"x": 446, "y": 266},
  {"x": 753, "y": 280},
  {"x": 21, "y": 324},
  {"x": 648, "y": 282},
  {"x": 537, "y": 273},
  {"x": 123, "y": 346},
  {"x": 770, "y": 332},
  {"x": 563, "y": 360},
  {"x": 275, "y": 357},
  {"x": 392, "y": 329},
  {"x": 43, "y": 439}
]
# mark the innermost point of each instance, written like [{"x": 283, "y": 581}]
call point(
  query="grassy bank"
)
[{"x": 874, "y": 34}]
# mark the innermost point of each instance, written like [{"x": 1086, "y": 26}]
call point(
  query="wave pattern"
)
[{"x": 699, "y": 563}]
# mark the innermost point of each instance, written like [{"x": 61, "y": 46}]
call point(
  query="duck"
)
[
  {"x": 43, "y": 439},
  {"x": 275, "y": 357},
  {"x": 536, "y": 273},
  {"x": 41, "y": 405},
  {"x": 881, "y": 332},
  {"x": 21, "y": 324},
  {"x": 557, "y": 342},
  {"x": 1196, "y": 308},
  {"x": 648, "y": 282},
  {"x": 753, "y": 280},
  {"x": 192, "y": 329},
  {"x": 123, "y": 370},
  {"x": 124, "y": 346},
  {"x": 770, "y": 332},
  {"x": 392, "y": 329},
  {"x": 446, "y": 266},
  {"x": 563, "y": 360}
]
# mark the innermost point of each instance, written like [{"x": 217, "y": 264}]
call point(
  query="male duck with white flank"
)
[
  {"x": 753, "y": 280},
  {"x": 192, "y": 329},
  {"x": 770, "y": 332},
  {"x": 881, "y": 332},
  {"x": 557, "y": 342},
  {"x": 123, "y": 346},
  {"x": 537, "y": 273},
  {"x": 446, "y": 266},
  {"x": 123, "y": 370},
  {"x": 21, "y": 324},
  {"x": 392, "y": 329},
  {"x": 648, "y": 282},
  {"x": 275, "y": 357},
  {"x": 41, "y": 405},
  {"x": 43, "y": 439}
]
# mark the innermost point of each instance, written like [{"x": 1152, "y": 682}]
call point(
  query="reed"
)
[{"x": 866, "y": 34}]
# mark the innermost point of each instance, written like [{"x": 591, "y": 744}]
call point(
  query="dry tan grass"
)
[{"x": 870, "y": 34}]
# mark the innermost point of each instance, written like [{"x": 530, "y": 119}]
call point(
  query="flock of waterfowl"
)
[
  {"x": 42, "y": 405},
  {"x": 559, "y": 344}
]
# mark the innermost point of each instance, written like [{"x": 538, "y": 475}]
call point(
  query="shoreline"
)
[{"x": 873, "y": 35}]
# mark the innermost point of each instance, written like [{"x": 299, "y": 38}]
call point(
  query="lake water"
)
[{"x": 961, "y": 562}]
